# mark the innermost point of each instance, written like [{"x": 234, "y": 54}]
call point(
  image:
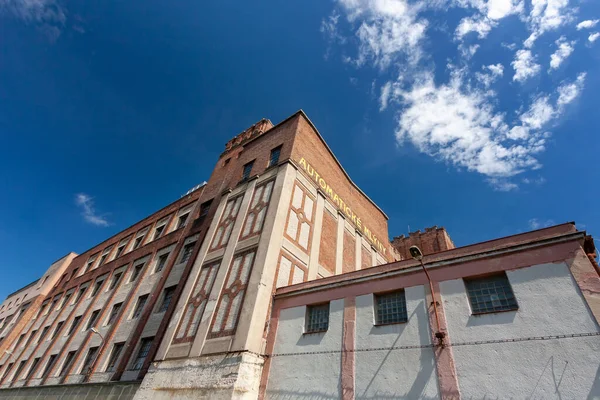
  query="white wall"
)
[
  {"x": 550, "y": 303},
  {"x": 395, "y": 374},
  {"x": 308, "y": 376}
]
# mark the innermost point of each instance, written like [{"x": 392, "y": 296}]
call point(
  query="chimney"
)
[{"x": 432, "y": 240}]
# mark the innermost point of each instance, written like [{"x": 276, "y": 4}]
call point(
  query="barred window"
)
[
  {"x": 490, "y": 294},
  {"x": 390, "y": 308},
  {"x": 142, "y": 353},
  {"x": 168, "y": 296},
  {"x": 274, "y": 158},
  {"x": 187, "y": 252},
  {"x": 247, "y": 170},
  {"x": 317, "y": 318},
  {"x": 114, "y": 356}
]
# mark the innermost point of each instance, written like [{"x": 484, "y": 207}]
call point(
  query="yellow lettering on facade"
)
[{"x": 322, "y": 183}]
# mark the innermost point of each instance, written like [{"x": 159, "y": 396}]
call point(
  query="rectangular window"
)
[
  {"x": 247, "y": 171},
  {"x": 187, "y": 252},
  {"x": 49, "y": 365},
  {"x": 34, "y": 365},
  {"x": 274, "y": 158},
  {"x": 74, "y": 325},
  {"x": 160, "y": 263},
  {"x": 390, "y": 308},
  {"x": 137, "y": 270},
  {"x": 8, "y": 368},
  {"x": 90, "y": 262},
  {"x": 65, "y": 300},
  {"x": 74, "y": 274},
  {"x": 490, "y": 294},
  {"x": 119, "y": 251},
  {"x": 158, "y": 231},
  {"x": 19, "y": 340},
  {"x": 182, "y": 220},
  {"x": 114, "y": 313},
  {"x": 168, "y": 296},
  {"x": 44, "y": 332},
  {"x": 89, "y": 360},
  {"x": 317, "y": 318},
  {"x": 68, "y": 362},
  {"x": 114, "y": 356},
  {"x": 96, "y": 289},
  {"x": 31, "y": 337},
  {"x": 19, "y": 370},
  {"x": 92, "y": 321},
  {"x": 104, "y": 256},
  {"x": 115, "y": 280},
  {"x": 139, "y": 307},
  {"x": 142, "y": 353},
  {"x": 138, "y": 240},
  {"x": 80, "y": 294},
  {"x": 57, "y": 330}
]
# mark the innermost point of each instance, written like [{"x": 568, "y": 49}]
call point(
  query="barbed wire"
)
[{"x": 431, "y": 345}]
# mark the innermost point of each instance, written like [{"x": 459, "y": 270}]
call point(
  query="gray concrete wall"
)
[{"x": 104, "y": 391}]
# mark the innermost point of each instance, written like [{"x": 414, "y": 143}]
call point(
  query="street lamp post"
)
[{"x": 89, "y": 371}]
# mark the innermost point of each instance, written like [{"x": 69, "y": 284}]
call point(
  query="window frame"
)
[
  {"x": 247, "y": 170},
  {"x": 170, "y": 292},
  {"x": 307, "y": 320},
  {"x": 274, "y": 162},
  {"x": 376, "y": 310},
  {"x": 470, "y": 281},
  {"x": 114, "y": 357},
  {"x": 139, "y": 310},
  {"x": 141, "y": 359}
]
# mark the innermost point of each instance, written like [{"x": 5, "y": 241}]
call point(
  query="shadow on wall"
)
[
  {"x": 499, "y": 318},
  {"x": 315, "y": 395},
  {"x": 595, "y": 390}
]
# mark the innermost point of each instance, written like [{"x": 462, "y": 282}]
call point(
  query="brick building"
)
[{"x": 206, "y": 297}]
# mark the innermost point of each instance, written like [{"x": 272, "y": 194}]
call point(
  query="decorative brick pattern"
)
[
  {"x": 258, "y": 209},
  {"x": 290, "y": 271},
  {"x": 230, "y": 303},
  {"x": 188, "y": 326},
  {"x": 301, "y": 217},
  {"x": 366, "y": 257},
  {"x": 225, "y": 227},
  {"x": 328, "y": 246},
  {"x": 349, "y": 258}
]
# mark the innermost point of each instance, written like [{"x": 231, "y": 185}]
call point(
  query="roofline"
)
[
  {"x": 23, "y": 288},
  {"x": 408, "y": 266},
  {"x": 303, "y": 114}
]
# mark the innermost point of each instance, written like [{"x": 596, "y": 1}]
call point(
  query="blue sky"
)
[{"x": 476, "y": 116}]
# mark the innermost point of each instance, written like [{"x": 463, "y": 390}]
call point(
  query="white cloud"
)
[
  {"x": 535, "y": 223},
  {"x": 587, "y": 24},
  {"x": 494, "y": 71},
  {"x": 592, "y": 38},
  {"x": 567, "y": 92},
  {"x": 386, "y": 91},
  {"x": 539, "y": 113},
  {"x": 524, "y": 65},
  {"x": 547, "y": 15},
  {"x": 389, "y": 29},
  {"x": 481, "y": 25},
  {"x": 47, "y": 14},
  {"x": 564, "y": 50},
  {"x": 88, "y": 211}
]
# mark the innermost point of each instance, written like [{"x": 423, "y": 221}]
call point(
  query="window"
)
[
  {"x": 160, "y": 264},
  {"x": 8, "y": 368},
  {"x": 168, "y": 296},
  {"x": 158, "y": 231},
  {"x": 57, "y": 330},
  {"x": 74, "y": 325},
  {"x": 44, "y": 332},
  {"x": 119, "y": 251},
  {"x": 54, "y": 301},
  {"x": 274, "y": 158},
  {"x": 137, "y": 270},
  {"x": 138, "y": 240},
  {"x": 187, "y": 252},
  {"x": 114, "y": 356},
  {"x": 182, "y": 220},
  {"x": 317, "y": 318},
  {"x": 19, "y": 340},
  {"x": 90, "y": 262},
  {"x": 114, "y": 313},
  {"x": 115, "y": 280},
  {"x": 19, "y": 370},
  {"x": 66, "y": 299},
  {"x": 142, "y": 353},
  {"x": 89, "y": 360},
  {"x": 139, "y": 307},
  {"x": 74, "y": 274},
  {"x": 247, "y": 171},
  {"x": 226, "y": 161},
  {"x": 49, "y": 365},
  {"x": 79, "y": 294},
  {"x": 68, "y": 362},
  {"x": 34, "y": 365},
  {"x": 96, "y": 289},
  {"x": 390, "y": 308},
  {"x": 105, "y": 254},
  {"x": 31, "y": 337},
  {"x": 92, "y": 321},
  {"x": 490, "y": 294}
]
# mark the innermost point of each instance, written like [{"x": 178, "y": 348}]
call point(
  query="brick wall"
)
[
  {"x": 349, "y": 257},
  {"x": 328, "y": 242},
  {"x": 432, "y": 240}
]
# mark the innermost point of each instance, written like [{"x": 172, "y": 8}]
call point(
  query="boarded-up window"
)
[
  {"x": 226, "y": 224},
  {"x": 258, "y": 210},
  {"x": 290, "y": 271},
  {"x": 349, "y": 258},
  {"x": 328, "y": 245},
  {"x": 300, "y": 218},
  {"x": 188, "y": 326},
  {"x": 230, "y": 303}
]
